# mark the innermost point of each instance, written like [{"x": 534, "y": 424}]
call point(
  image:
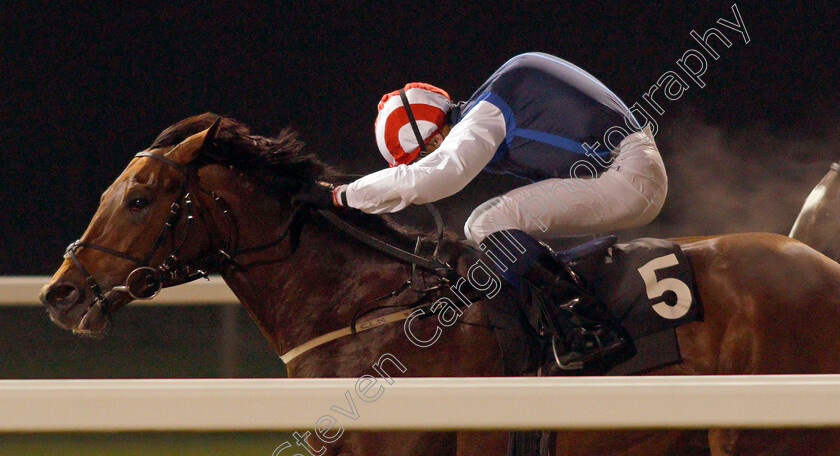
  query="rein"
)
[{"x": 435, "y": 266}]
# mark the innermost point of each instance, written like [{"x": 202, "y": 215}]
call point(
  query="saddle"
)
[{"x": 647, "y": 285}]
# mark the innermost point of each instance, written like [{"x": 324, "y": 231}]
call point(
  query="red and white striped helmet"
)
[{"x": 395, "y": 135}]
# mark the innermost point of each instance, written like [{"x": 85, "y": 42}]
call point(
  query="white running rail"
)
[{"x": 414, "y": 403}]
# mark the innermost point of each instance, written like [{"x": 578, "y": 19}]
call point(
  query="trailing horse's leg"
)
[
  {"x": 722, "y": 441},
  {"x": 482, "y": 443},
  {"x": 774, "y": 442},
  {"x": 393, "y": 444},
  {"x": 631, "y": 443}
]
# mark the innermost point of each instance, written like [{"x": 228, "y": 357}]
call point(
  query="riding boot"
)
[
  {"x": 575, "y": 317},
  {"x": 581, "y": 321}
]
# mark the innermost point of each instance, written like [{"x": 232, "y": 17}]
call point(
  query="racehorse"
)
[
  {"x": 208, "y": 196},
  {"x": 818, "y": 222}
]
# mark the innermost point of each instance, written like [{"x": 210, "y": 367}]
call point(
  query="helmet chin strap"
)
[{"x": 413, "y": 123}]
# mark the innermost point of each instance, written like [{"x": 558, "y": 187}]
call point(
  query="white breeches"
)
[{"x": 630, "y": 193}]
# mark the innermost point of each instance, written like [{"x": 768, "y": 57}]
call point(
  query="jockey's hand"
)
[{"x": 320, "y": 196}]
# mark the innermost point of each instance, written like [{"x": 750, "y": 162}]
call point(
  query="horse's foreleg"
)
[
  {"x": 394, "y": 444},
  {"x": 774, "y": 442},
  {"x": 631, "y": 443},
  {"x": 482, "y": 443}
]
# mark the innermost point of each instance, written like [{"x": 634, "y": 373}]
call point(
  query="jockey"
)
[{"x": 591, "y": 166}]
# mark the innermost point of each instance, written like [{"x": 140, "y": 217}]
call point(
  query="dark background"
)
[{"x": 85, "y": 87}]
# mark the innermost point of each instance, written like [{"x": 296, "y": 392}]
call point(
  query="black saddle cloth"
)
[{"x": 647, "y": 285}]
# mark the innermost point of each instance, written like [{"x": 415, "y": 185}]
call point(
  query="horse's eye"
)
[{"x": 138, "y": 204}]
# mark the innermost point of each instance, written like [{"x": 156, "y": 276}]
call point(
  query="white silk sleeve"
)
[{"x": 464, "y": 152}]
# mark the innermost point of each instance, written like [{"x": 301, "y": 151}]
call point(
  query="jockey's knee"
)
[
  {"x": 473, "y": 232},
  {"x": 644, "y": 209},
  {"x": 483, "y": 221}
]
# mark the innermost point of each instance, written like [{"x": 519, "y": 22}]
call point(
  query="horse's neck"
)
[
  {"x": 312, "y": 292},
  {"x": 317, "y": 290}
]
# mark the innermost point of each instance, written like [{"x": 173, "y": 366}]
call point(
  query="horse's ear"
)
[{"x": 189, "y": 149}]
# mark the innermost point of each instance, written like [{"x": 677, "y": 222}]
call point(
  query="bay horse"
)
[
  {"x": 818, "y": 222},
  {"x": 771, "y": 303}
]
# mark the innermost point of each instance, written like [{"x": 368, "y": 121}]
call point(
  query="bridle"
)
[{"x": 145, "y": 281}]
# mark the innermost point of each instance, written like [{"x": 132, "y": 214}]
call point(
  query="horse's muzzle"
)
[{"x": 61, "y": 295}]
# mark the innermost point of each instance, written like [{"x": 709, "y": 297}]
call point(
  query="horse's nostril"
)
[{"x": 61, "y": 294}]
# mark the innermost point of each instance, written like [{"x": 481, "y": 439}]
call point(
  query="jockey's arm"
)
[{"x": 467, "y": 149}]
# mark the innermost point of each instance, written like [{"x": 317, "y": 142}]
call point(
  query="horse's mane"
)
[
  {"x": 275, "y": 160},
  {"x": 280, "y": 162}
]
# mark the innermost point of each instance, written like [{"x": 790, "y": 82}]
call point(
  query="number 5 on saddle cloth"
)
[{"x": 647, "y": 286}]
